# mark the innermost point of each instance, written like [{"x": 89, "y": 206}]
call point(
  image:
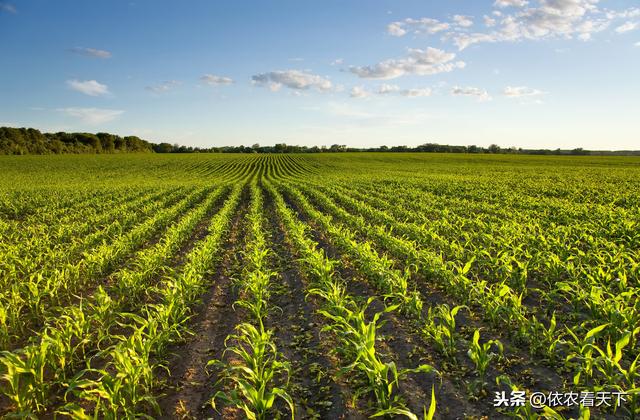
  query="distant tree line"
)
[
  {"x": 256, "y": 148},
  {"x": 427, "y": 147},
  {"x": 29, "y": 141},
  {"x": 25, "y": 141}
]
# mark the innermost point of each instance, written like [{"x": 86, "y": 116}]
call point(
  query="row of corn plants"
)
[
  {"x": 437, "y": 324},
  {"x": 595, "y": 282},
  {"x": 253, "y": 373},
  {"x": 84, "y": 218},
  {"x": 32, "y": 244},
  {"x": 29, "y": 302},
  {"x": 35, "y": 373},
  {"x": 392, "y": 283},
  {"x": 347, "y": 320},
  {"x": 39, "y": 260},
  {"x": 611, "y": 306},
  {"x": 619, "y": 311},
  {"x": 500, "y": 302},
  {"x": 121, "y": 380},
  {"x": 45, "y": 206}
]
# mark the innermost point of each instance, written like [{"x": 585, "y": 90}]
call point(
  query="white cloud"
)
[
  {"x": 92, "y": 116},
  {"x": 623, "y": 14},
  {"x": 481, "y": 94},
  {"x": 417, "y": 26},
  {"x": 213, "y": 80},
  {"x": 489, "y": 21},
  {"x": 510, "y": 3},
  {"x": 521, "y": 91},
  {"x": 7, "y": 7},
  {"x": 385, "y": 89},
  {"x": 637, "y": 44},
  {"x": 164, "y": 86},
  {"x": 463, "y": 21},
  {"x": 91, "y": 52},
  {"x": 359, "y": 92},
  {"x": 337, "y": 62},
  {"x": 418, "y": 62},
  {"x": 88, "y": 87},
  {"x": 627, "y": 27},
  {"x": 396, "y": 29},
  {"x": 415, "y": 93},
  {"x": 566, "y": 19},
  {"x": 292, "y": 79}
]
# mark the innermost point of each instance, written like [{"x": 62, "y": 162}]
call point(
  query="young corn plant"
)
[
  {"x": 630, "y": 376},
  {"x": 547, "y": 339},
  {"x": 581, "y": 354},
  {"x": 609, "y": 362},
  {"x": 440, "y": 327},
  {"x": 481, "y": 355},
  {"x": 127, "y": 392},
  {"x": 254, "y": 368},
  {"x": 358, "y": 342},
  {"x": 251, "y": 376},
  {"x": 255, "y": 284},
  {"x": 24, "y": 378}
]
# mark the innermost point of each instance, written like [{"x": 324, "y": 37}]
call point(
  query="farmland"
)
[{"x": 317, "y": 286}]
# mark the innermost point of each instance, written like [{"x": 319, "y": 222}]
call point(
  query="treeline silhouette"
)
[
  {"x": 25, "y": 141},
  {"x": 29, "y": 141}
]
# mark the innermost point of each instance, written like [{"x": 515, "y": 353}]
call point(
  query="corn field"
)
[{"x": 339, "y": 285}]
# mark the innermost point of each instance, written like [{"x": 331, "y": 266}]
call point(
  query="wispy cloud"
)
[
  {"x": 91, "y": 52},
  {"x": 481, "y": 94},
  {"x": 292, "y": 79},
  {"x": 88, "y": 87},
  {"x": 489, "y": 21},
  {"x": 516, "y": 20},
  {"x": 213, "y": 80},
  {"x": 387, "y": 89},
  {"x": 418, "y": 62},
  {"x": 164, "y": 86},
  {"x": 416, "y": 92},
  {"x": 416, "y": 26},
  {"x": 462, "y": 21},
  {"x": 92, "y": 116},
  {"x": 510, "y": 3},
  {"x": 521, "y": 91},
  {"x": 632, "y": 12},
  {"x": 359, "y": 92},
  {"x": 627, "y": 27},
  {"x": 8, "y": 7}
]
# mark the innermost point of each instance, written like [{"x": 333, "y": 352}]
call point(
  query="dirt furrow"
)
[
  {"x": 189, "y": 386},
  {"x": 297, "y": 332}
]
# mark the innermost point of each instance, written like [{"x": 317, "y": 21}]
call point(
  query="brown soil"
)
[
  {"x": 189, "y": 387},
  {"x": 298, "y": 336}
]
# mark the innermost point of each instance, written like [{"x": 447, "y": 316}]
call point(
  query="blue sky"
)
[{"x": 537, "y": 73}]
